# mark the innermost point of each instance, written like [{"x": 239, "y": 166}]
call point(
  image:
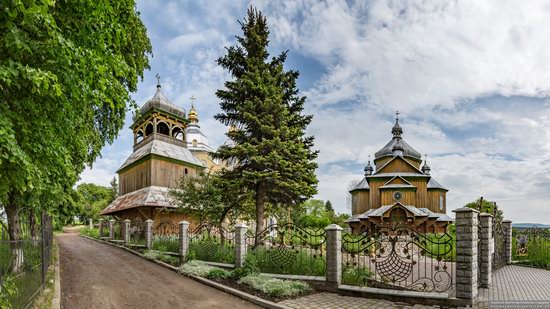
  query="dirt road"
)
[{"x": 95, "y": 275}]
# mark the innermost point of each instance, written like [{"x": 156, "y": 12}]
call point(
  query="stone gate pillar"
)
[
  {"x": 487, "y": 243},
  {"x": 240, "y": 244},
  {"x": 149, "y": 234},
  {"x": 126, "y": 231},
  {"x": 101, "y": 227},
  {"x": 184, "y": 240},
  {"x": 334, "y": 256},
  {"x": 507, "y": 227},
  {"x": 466, "y": 253},
  {"x": 111, "y": 229}
]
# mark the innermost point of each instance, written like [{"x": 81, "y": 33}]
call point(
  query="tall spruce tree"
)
[{"x": 275, "y": 157}]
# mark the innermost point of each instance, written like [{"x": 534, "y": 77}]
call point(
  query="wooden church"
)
[
  {"x": 159, "y": 160},
  {"x": 397, "y": 189}
]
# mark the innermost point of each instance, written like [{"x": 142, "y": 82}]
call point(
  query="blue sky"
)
[{"x": 470, "y": 78}]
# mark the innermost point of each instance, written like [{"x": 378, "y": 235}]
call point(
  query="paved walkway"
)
[
  {"x": 510, "y": 284},
  {"x": 518, "y": 283},
  {"x": 95, "y": 275}
]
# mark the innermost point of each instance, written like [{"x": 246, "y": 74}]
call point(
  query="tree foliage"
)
[
  {"x": 315, "y": 213},
  {"x": 486, "y": 206},
  {"x": 66, "y": 72},
  {"x": 211, "y": 199},
  {"x": 92, "y": 199},
  {"x": 275, "y": 158}
]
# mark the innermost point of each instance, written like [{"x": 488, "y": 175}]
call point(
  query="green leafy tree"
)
[
  {"x": 92, "y": 199},
  {"x": 274, "y": 158},
  {"x": 66, "y": 72},
  {"x": 486, "y": 206},
  {"x": 328, "y": 207},
  {"x": 209, "y": 198},
  {"x": 114, "y": 189}
]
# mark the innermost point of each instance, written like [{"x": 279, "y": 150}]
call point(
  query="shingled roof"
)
[{"x": 149, "y": 196}]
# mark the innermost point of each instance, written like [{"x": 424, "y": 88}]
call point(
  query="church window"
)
[
  {"x": 441, "y": 201},
  {"x": 162, "y": 128},
  {"x": 195, "y": 143},
  {"x": 186, "y": 171},
  {"x": 398, "y": 215},
  {"x": 148, "y": 129}
]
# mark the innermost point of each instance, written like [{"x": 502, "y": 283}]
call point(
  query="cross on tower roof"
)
[
  {"x": 397, "y": 115},
  {"x": 192, "y": 98},
  {"x": 158, "y": 80}
]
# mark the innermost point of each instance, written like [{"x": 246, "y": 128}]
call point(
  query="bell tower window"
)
[
  {"x": 148, "y": 129},
  {"x": 163, "y": 129},
  {"x": 441, "y": 201}
]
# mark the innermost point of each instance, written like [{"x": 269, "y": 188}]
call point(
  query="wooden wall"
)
[
  {"x": 135, "y": 178},
  {"x": 398, "y": 165},
  {"x": 386, "y": 197},
  {"x": 153, "y": 172},
  {"x": 360, "y": 200}
]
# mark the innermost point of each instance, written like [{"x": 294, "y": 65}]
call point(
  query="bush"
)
[
  {"x": 90, "y": 232},
  {"x": 218, "y": 273},
  {"x": 152, "y": 255},
  {"x": 250, "y": 267},
  {"x": 275, "y": 287},
  {"x": 197, "y": 268}
]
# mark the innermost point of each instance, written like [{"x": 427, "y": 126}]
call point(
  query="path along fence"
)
[
  {"x": 395, "y": 257},
  {"x": 24, "y": 262}
]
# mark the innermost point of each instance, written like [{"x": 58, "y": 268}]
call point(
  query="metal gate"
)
[
  {"x": 397, "y": 256},
  {"x": 499, "y": 235}
]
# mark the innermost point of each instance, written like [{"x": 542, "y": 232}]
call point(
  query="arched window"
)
[
  {"x": 163, "y": 129},
  {"x": 177, "y": 133},
  {"x": 148, "y": 129},
  {"x": 139, "y": 136},
  {"x": 440, "y": 201},
  {"x": 398, "y": 215},
  {"x": 195, "y": 143}
]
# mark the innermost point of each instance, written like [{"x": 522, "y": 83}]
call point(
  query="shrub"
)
[
  {"x": 197, "y": 268},
  {"x": 250, "y": 267},
  {"x": 218, "y": 273},
  {"x": 90, "y": 232},
  {"x": 152, "y": 255},
  {"x": 356, "y": 276},
  {"x": 275, "y": 287}
]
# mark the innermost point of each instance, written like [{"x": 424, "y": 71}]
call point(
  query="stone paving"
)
[
  {"x": 517, "y": 283},
  {"x": 335, "y": 301},
  {"x": 510, "y": 284}
]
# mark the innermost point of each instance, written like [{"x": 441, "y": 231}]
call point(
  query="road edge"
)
[
  {"x": 251, "y": 298},
  {"x": 56, "y": 300}
]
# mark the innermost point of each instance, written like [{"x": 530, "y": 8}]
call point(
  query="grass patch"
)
[
  {"x": 211, "y": 251},
  {"x": 275, "y": 287},
  {"x": 166, "y": 243}
]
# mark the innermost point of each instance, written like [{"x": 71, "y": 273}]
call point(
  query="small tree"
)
[
  {"x": 114, "y": 189},
  {"x": 328, "y": 207},
  {"x": 486, "y": 206},
  {"x": 275, "y": 158}
]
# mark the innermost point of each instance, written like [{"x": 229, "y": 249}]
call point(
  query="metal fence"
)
[
  {"x": 531, "y": 246},
  {"x": 166, "y": 237},
  {"x": 25, "y": 261},
  {"x": 211, "y": 243},
  {"x": 289, "y": 249},
  {"x": 397, "y": 256}
]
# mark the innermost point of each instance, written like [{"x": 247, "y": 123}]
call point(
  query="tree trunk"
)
[
  {"x": 14, "y": 232},
  {"x": 260, "y": 210}
]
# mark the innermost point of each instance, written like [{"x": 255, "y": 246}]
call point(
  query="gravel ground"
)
[{"x": 95, "y": 275}]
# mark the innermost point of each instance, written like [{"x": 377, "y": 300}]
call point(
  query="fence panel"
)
[
  {"x": 211, "y": 243},
  {"x": 137, "y": 233},
  {"x": 499, "y": 235},
  {"x": 397, "y": 256},
  {"x": 286, "y": 248},
  {"x": 166, "y": 237},
  {"x": 24, "y": 262},
  {"x": 532, "y": 247}
]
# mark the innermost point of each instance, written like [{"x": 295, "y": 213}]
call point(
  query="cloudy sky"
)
[{"x": 470, "y": 78}]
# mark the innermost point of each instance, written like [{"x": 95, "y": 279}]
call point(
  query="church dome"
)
[
  {"x": 160, "y": 102},
  {"x": 193, "y": 115},
  {"x": 397, "y": 143}
]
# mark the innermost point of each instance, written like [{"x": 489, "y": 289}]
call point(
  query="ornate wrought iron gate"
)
[
  {"x": 499, "y": 235},
  {"x": 397, "y": 256}
]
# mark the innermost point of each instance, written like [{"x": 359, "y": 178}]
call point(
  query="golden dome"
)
[{"x": 193, "y": 115}]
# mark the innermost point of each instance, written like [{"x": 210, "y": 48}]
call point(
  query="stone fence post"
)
[
  {"x": 240, "y": 244},
  {"x": 148, "y": 234},
  {"x": 111, "y": 229},
  {"x": 101, "y": 227},
  {"x": 334, "y": 256},
  {"x": 184, "y": 240},
  {"x": 466, "y": 253},
  {"x": 126, "y": 231},
  {"x": 487, "y": 243},
  {"x": 507, "y": 226},
  {"x": 90, "y": 224}
]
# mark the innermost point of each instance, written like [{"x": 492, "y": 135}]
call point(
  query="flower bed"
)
[{"x": 248, "y": 280}]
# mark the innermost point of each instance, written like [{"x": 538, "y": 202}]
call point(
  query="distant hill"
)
[{"x": 528, "y": 225}]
